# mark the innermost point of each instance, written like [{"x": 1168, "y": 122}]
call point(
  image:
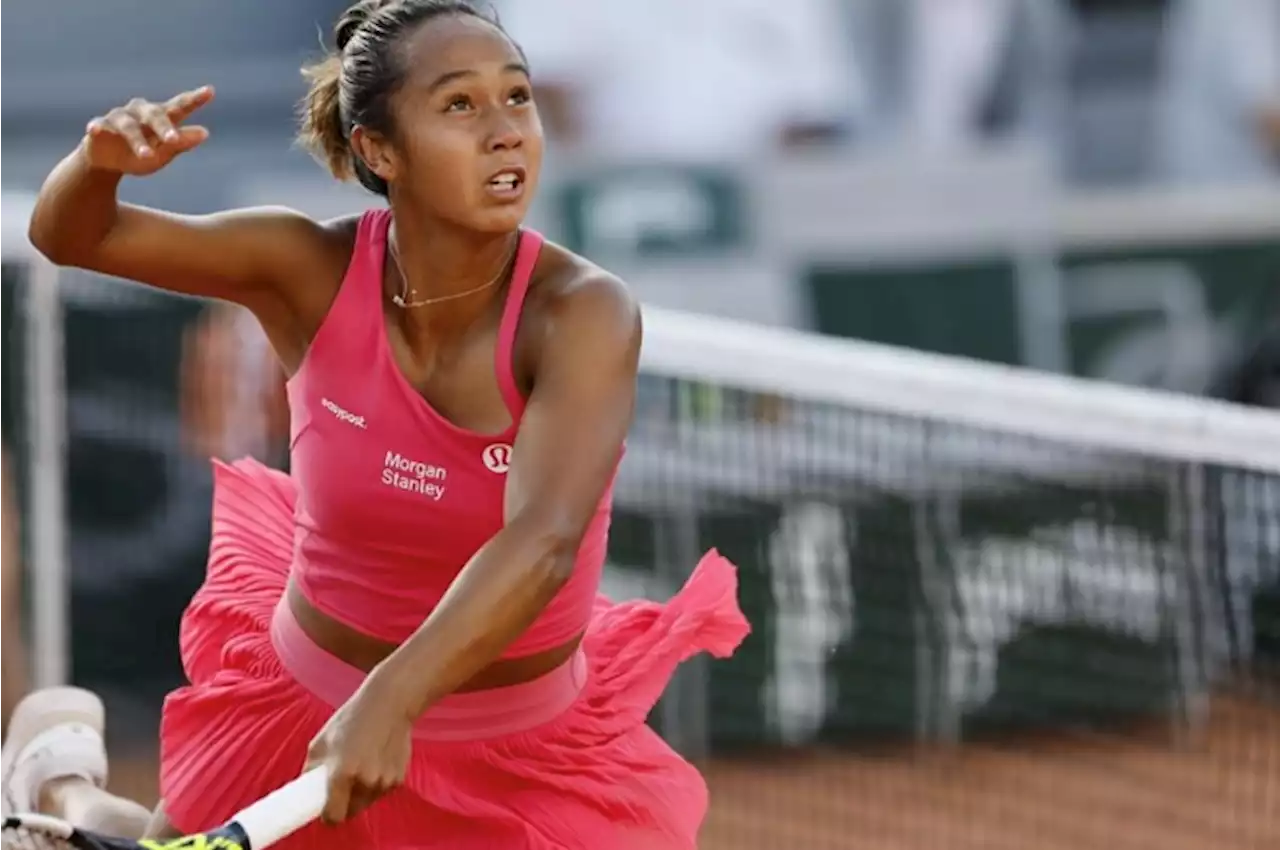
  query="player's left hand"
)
[{"x": 366, "y": 746}]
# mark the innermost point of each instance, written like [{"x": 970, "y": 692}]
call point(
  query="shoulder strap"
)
[{"x": 526, "y": 258}]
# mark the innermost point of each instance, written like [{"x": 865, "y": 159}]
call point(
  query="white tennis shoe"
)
[{"x": 54, "y": 733}]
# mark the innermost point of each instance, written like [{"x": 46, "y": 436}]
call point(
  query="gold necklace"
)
[{"x": 402, "y": 300}]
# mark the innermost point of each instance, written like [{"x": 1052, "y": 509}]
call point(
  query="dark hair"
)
[{"x": 354, "y": 84}]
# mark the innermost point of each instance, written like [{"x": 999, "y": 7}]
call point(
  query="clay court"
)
[{"x": 1080, "y": 791}]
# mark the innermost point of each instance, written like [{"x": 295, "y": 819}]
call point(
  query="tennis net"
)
[{"x": 991, "y": 608}]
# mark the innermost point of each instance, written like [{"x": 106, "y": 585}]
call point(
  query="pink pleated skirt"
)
[{"x": 588, "y": 772}]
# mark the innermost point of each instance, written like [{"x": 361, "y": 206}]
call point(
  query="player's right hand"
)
[{"x": 142, "y": 137}]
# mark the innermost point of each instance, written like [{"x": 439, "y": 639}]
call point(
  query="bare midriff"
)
[{"x": 366, "y": 652}]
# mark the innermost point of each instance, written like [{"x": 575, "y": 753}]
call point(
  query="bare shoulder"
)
[
  {"x": 341, "y": 230},
  {"x": 314, "y": 254},
  {"x": 568, "y": 288},
  {"x": 575, "y": 313},
  {"x": 298, "y": 235},
  {"x": 333, "y": 239}
]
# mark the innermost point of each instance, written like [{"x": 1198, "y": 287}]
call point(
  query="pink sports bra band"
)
[{"x": 461, "y": 717}]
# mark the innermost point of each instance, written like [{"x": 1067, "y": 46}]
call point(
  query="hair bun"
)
[{"x": 354, "y": 18}]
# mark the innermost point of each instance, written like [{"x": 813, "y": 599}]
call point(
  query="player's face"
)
[{"x": 468, "y": 138}]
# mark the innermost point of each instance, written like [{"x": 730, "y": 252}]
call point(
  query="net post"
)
[
  {"x": 939, "y": 714},
  {"x": 1219, "y": 555},
  {"x": 48, "y": 569},
  {"x": 1189, "y": 487}
]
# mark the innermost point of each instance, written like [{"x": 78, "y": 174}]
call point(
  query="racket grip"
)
[{"x": 285, "y": 810}]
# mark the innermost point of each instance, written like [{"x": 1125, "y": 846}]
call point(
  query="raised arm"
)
[{"x": 79, "y": 221}]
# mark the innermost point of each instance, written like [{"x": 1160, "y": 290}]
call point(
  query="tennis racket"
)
[{"x": 256, "y": 827}]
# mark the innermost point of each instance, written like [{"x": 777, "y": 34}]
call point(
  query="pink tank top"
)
[{"x": 393, "y": 499}]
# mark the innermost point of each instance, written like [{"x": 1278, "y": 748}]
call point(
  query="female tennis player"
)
[{"x": 415, "y": 606}]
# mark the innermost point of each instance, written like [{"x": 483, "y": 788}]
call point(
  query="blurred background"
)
[{"x": 970, "y": 630}]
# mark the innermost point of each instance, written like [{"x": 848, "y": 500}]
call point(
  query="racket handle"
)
[{"x": 285, "y": 810}]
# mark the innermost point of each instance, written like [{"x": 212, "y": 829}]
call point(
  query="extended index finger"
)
[{"x": 181, "y": 105}]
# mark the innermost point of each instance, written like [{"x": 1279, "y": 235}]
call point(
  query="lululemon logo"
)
[{"x": 497, "y": 458}]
